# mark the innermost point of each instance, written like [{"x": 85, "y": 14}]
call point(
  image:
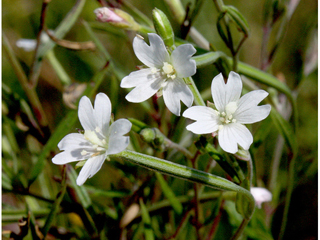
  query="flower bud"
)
[
  {"x": 163, "y": 27},
  {"x": 116, "y": 17}
]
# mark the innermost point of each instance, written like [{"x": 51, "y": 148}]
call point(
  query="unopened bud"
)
[
  {"x": 163, "y": 27},
  {"x": 116, "y": 17}
]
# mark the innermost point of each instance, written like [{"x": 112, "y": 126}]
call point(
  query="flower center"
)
[
  {"x": 100, "y": 145},
  {"x": 169, "y": 70},
  {"x": 227, "y": 117}
]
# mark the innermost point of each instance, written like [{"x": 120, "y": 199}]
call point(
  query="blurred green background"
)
[{"x": 110, "y": 193}]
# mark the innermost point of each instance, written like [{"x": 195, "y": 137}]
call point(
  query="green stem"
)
[
  {"x": 62, "y": 74},
  {"x": 240, "y": 229},
  {"x": 197, "y": 96},
  {"x": 22, "y": 78},
  {"x": 186, "y": 173},
  {"x": 291, "y": 179}
]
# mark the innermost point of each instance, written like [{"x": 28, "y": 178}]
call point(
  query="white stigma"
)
[{"x": 167, "y": 68}]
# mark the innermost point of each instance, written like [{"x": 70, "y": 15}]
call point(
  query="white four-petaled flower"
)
[
  {"x": 99, "y": 139},
  {"x": 230, "y": 114},
  {"x": 165, "y": 72},
  {"x": 261, "y": 195}
]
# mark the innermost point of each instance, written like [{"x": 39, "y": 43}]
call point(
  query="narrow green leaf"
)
[
  {"x": 186, "y": 173},
  {"x": 285, "y": 130},
  {"x": 208, "y": 58},
  {"x": 105, "y": 193},
  {"x": 148, "y": 232},
  {"x": 55, "y": 206},
  {"x": 81, "y": 191},
  {"x": 64, "y": 127},
  {"x": 203, "y": 145},
  {"x": 167, "y": 191},
  {"x": 238, "y": 18}
]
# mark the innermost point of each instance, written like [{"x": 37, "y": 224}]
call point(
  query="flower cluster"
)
[{"x": 164, "y": 74}]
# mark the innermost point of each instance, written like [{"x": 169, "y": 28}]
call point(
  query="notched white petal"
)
[
  {"x": 203, "y": 127},
  {"x": 117, "y": 144},
  {"x": 91, "y": 167},
  {"x": 153, "y": 55},
  {"x": 136, "y": 78},
  {"x": 144, "y": 91},
  {"x": 200, "y": 113},
  {"x": 102, "y": 112},
  {"x": 233, "y": 87},
  {"x": 218, "y": 90},
  {"x": 254, "y": 114},
  {"x": 182, "y": 62}
]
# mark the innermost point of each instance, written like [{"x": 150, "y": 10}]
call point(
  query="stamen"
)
[
  {"x": 172, "y": 76},
  {"x": 220, "y": 127},
  {"x": 234, "y": 120},
  {"x": 154, "y": 70},
  {"x": 223, "y": 114},
  {"x": 84, "y": 152}
]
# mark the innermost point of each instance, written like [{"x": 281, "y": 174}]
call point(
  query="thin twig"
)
[
  {"x": 71, "y": 45},
  {"x": 215, "y": 223}
]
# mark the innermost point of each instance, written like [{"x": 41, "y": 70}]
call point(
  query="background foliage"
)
[{"x": 124, "y": 200}]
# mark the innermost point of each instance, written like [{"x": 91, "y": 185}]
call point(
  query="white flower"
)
[
  {"x": 230, "y": 114},
  {"x": 165, "y": 72},
  {"x": 261, "y": 195},
  {"x": 99, "y": 139}
]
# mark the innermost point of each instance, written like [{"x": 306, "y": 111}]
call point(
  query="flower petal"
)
[
  {"x": 203, "y": 127},
  {"x": 120, "y": 127},
  {"x": 68, "y": 156},
  {"x": 218, "y": 91},
  {"x": 138, "y": 77},
  {"x": 248, "y": 101},
  {"x": 254, "y": 114},
  {"x": 233, "y": 134},
  {"x": 144, "y": 90},
  {"x": 85, "y": 114},
  {"x": 182, "y": 62},
  {"x": 102, "y": 112},
  {"x": 175, "y": 91},
  {"x": 200, "y": 113},
  {"x": 74, "y": 141},
  {"x": 233, "y": 87},
  {"x": 118, "y": 142},
  {"x": 155, "y": 54},
  {"x": 91, "y": 167},
  {"x": 222, "y": 93}
]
